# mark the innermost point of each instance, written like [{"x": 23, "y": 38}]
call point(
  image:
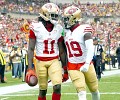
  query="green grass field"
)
[
  {"x": 109, "y": 88},
  {"x": 11, "y": 81}
]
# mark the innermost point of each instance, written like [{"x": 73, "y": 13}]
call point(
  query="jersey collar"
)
[{"x": 72, "y": 28}]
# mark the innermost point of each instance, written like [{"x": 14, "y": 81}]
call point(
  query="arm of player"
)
[
  {"x": 90, "y": 51},
  {"x": 65, "y": 75},
  {"x": 30, "y": 70},
  {"x": 63, "y": 59},
  {"x": 31, "y": 48}
]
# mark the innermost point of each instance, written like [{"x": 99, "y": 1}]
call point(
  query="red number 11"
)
[{"x": 45, "y": 51}]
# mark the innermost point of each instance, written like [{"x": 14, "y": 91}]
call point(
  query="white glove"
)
[{"x": 85, "y": 67}]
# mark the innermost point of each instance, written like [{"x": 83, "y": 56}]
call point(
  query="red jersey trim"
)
[
  {"x": 88, "y": 29},
  {"x": 46, "y": 58},
  {"x": 74, "y": 27},
  {"x": 74, "y": 66},
  {"x": 32, "y": 35}
]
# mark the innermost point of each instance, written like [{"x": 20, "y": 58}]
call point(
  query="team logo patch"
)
[
  {"x": 48, "y": 6},
  {"x": 72, "y": 10}
]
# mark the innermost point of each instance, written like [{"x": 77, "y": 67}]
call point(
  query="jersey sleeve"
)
[
  {"x": 32, "y": 35},
  {"x": 88, "y": 29}
]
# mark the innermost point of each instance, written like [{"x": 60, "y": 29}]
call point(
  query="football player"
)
[
  {"x": 79, "y": 44},
  {"x": 45, "y": 37}
]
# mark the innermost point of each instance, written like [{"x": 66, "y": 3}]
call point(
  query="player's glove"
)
[
  {"x": 85, "y": 67},
  {"x": 30, "y": 72},
  {"x": 65, "y": 75}
]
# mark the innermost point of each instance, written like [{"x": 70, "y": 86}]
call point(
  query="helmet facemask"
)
[
  {"x": 69, "y": 21},
  {"x": 66, "y": 22},
  {"x": 54, "y": 18}
]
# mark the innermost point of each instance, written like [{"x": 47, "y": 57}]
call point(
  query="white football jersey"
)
[
  {"x": 75, "y": 43},
  {"x": 46, "y": 42}
]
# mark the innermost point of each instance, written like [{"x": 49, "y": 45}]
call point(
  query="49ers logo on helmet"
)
[
  {"x": 48, "y": 6},
  {"x": 72, "y": 10}
]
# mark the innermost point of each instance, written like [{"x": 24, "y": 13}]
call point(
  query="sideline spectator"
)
[
  {"x": 98, "y": 57},
  {"x": 24, "y": 51},
  {"x": 10, "y": 63},
  {"x": 113, "y": 58},
  {"x": 2, "y": 66},
  {"x": 16, "y": 60},
  {"x": 118, "y": 56}
]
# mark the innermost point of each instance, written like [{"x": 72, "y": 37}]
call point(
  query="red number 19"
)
[{"x": 75, "y": 47}]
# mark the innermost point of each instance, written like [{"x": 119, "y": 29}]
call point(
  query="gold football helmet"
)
[
  {"x": 71, "y": 15},
  {"x": 50, "y": 12}
]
